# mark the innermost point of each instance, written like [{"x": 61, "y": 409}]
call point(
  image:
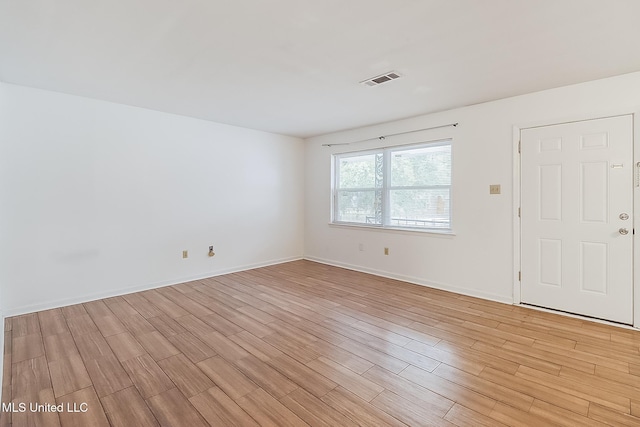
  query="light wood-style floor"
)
[{"x": 305, "y": 343}]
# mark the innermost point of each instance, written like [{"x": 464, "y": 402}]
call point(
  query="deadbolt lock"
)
[{"x": 624, "y": 216}]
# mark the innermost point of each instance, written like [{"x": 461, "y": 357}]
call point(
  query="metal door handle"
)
[{"x": 623, "y": 231}]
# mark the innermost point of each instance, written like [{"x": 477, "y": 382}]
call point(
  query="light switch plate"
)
[{"x": 494, "y": 189}]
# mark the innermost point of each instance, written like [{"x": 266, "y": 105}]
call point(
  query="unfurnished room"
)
[{"x": 319, "y": 213}]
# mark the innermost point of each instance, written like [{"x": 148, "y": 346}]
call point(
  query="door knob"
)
[{"x": 623, "y": 231}]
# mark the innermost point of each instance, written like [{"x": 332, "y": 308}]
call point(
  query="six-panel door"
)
[{"x": 576, "y": 217}]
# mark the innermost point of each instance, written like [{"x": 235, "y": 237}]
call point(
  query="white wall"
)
[
  {"x": 99, "y": 198},
  {"x": 479, "y": 259}
]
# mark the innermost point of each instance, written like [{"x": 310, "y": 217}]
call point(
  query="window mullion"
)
[
  {"x": 379, "y": 184},
  {"x": 336, "y": 180},
  {"x": 386, "y": 183}
]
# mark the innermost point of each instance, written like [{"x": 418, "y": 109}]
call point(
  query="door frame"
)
[{"x": 517, "y": 174}]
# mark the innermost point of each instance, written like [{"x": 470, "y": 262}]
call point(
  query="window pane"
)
[
  {"x": 402, "y": 186},
  {"x": 421, "y": 166},
  {"x": 360, "y": 206},
  {"x": 359, "y": 171},
  {"x": 420, "y": 208}
]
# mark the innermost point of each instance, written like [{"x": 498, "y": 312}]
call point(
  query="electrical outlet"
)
[
  {"x": 361, "y": 247},
  {"x": 185, "y": 254},
  {"x": 211, "y": 253},
  {"x": 386, "y": 251},
  {"x": 494, "y": 189}
]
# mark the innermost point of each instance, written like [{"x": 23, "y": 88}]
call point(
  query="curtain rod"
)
[{"x": 383, "y": 137}]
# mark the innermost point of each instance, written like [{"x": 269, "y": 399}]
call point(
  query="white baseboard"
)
[
  {"x": 16, "y": 311},
  {"x": 416, "y": 281}
]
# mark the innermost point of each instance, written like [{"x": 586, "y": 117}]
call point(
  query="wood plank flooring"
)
[{"x": 308, "y": 344}]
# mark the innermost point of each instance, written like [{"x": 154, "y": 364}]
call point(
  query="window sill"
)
[{"x": 435, "y": 232}]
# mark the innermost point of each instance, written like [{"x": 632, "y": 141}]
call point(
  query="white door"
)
[{"x": 577, "y": 219}]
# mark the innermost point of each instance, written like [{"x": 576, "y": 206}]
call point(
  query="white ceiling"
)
[{"x": 293, "y": 66}]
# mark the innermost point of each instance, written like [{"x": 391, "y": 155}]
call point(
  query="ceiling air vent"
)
[{"x": 383, "y": 78}]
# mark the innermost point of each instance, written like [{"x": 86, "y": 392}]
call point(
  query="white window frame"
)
[{"x": 387, "y": 152}]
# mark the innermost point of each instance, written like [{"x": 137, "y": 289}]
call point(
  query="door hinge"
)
[
  {"x": 520, "y": 146},
  {"x": 519, "y": 212},
  {"x": 519, "y": 276}
]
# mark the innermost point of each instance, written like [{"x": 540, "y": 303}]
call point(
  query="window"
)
[{"x": 396, "y": 187}]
